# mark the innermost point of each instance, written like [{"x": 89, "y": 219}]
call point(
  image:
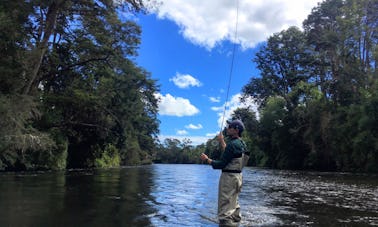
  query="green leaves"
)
[
  {"x": 75, "y": 61},
  {"x": 317, "y": 90}
]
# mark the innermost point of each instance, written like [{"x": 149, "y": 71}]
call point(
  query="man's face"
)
[{"x": 231, "y": 131}]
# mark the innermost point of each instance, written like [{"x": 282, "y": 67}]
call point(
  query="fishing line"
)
[
  {"x": 232, "y": 63},
  {"x": 215, "y": 141}
]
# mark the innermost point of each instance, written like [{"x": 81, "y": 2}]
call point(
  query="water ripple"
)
[
  {"x": 268, "y": 198},
  {"x": 185, "y": 195}
]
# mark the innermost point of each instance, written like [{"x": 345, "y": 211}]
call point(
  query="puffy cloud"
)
[
  {"x": 175, "y": 106},
  {"x": 217, "y": 108},
  {"x": 182, "y": 132},
  {"x": 185, "y": 81},
  {"x": 212, "y": 135},
  {"x": 214, "y": 99},
  {"x": 191, "y": 126},
  {"x": 207, "y": 23}
]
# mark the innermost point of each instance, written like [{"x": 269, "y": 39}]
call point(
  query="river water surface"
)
[{"x": 185, "y": 195}]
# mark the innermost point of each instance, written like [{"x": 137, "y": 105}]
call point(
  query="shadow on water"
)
[
  {"x": 115, "y": 197},
  {"x": 185, "y": 195}
]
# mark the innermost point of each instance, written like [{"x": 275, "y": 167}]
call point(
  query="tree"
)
[
  {"x": 314, "y": 115},
  {"x": 343, "y": 34},
  {"x": 174, "y": 151},
  {"x": 285, "y": 63},
  {"x": 282, "y": 62},
  {"x": 77, "y": 73}
]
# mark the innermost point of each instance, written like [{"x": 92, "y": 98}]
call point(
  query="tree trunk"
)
[{"x": 42, "y": 46}]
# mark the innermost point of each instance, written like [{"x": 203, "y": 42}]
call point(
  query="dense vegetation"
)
[
  {"x": 70, "y": 94},
  {"x": 318, "y": 91},
  {"x": 317, "y": 94}
]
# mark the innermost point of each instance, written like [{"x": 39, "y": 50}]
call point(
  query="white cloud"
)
[
  {"x": 185, "y": 81},
  {"x": 231, "y": 106},
  {"x": 181, "y": 132},
  {"x": 175, "y": 106},
  {"x": 217, "y": 108},
  {"x": 207, "y": 23},
  {"x": 191, "y": 126},
  {"x": 214, "y": 99},
  {"x": 212, "y": 135}
]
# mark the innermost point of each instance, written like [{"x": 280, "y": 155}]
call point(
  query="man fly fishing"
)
[{"x": 232, "y": 161}]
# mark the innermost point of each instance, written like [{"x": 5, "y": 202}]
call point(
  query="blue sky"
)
[{"x": 187, "y": 46}]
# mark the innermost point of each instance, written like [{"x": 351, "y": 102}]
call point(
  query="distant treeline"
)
[
  {"x": 70, "y": 94},
  {"x": 317, "y": 94}
]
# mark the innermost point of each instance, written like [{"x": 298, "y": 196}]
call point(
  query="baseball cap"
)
[{"x": 236, "y": 124}]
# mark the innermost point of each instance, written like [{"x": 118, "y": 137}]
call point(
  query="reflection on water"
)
[
  {"x": 185, "y": 195},
  {"x": 115, "y": 197},
  {"x": 310, "y": 199}
]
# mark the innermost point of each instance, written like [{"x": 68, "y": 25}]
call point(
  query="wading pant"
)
[{"x": 230, "y": 185}]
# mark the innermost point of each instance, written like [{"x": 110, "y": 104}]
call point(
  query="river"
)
[{"x": 185, "y": 195}]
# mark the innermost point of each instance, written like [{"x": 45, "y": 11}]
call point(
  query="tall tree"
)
[
  {"x": 319, "y": 121},
  {"x": 74, "y": 60},
  {"x": 343, "y": 34},
  {"x": 282, "y": 63}
]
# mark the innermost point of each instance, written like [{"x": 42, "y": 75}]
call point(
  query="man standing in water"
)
[{"x": 232, "y": 161}]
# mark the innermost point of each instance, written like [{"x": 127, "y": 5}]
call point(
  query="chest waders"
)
[{"x": 230, "y": 185}]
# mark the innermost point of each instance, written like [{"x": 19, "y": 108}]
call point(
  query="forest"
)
[{"x": 72, "y": 96}]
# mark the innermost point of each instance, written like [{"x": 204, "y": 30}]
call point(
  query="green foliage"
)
[
  {"x": 69, "y": 87},
  {"x": 132, "y": 156},
  {"x": 355, "y": 128},
  {"x": 58, "y": 157},
  {"x": 22, "y": 146},
  {"x": 108, "y": 158},
  {"x": 174, "y": 151},
  {"x": 282, "y": 62},
  {"x": 318, "y": 91}
]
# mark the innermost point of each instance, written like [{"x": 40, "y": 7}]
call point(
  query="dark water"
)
[{"x": 185, "y": 195}]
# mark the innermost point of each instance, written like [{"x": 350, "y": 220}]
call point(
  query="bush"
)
[{"x": 109, "y": 158}]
